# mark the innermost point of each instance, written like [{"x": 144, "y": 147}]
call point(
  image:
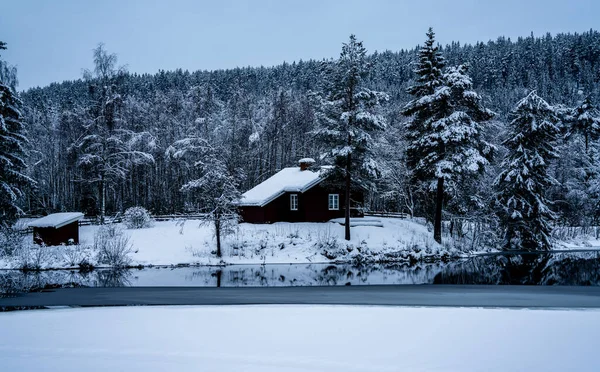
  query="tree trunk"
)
[
  {"x": 347, "y": 199},
  {"x": 437, "y": 223},
  {"x": 102, "y": 201},
  {"x": 218, "y": 274},
  {"x": 218, "y": 234}
]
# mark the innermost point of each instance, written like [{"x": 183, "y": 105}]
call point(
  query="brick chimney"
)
[{"x": 305, "y": 163}]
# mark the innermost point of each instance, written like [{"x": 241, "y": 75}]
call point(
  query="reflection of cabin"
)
[
  {"x": 295, "y": 194},
  {"x": 57, "y": 229}
]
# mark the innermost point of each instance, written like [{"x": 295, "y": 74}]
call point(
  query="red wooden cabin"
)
[{"x": 295, "y": 194}]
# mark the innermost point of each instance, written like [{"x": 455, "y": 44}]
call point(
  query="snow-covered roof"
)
[
  {"x": 56, "y": 220},
  {"x": 286, "y": 180}
]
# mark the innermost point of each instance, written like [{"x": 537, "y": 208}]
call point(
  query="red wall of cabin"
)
[{"x": 313, "y": 206}]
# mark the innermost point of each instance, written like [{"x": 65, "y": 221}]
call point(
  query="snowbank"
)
[
  {"x": 299, "y": 338},
  {"x": 174, "y": 243},
  {"x": 188, "y": 243}
]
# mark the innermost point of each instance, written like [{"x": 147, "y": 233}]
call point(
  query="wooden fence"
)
[
  {"x": 88, "y": 221},
  {"x": 118, "y": 218},
  {"x": 387, "y": 214}
]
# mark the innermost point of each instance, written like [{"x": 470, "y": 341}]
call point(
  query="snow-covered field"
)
[
  {"x": 299, "y": 338},
  {"x": 188, "y": 243}
]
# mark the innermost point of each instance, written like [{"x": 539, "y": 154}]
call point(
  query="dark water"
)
[{"x": 582, "y": 268}]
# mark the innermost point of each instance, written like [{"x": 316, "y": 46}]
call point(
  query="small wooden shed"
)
[{"x": 57, "y": 229}]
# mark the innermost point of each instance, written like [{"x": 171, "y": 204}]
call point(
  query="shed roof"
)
[
  {"x": 56, "y": 220},
  {"x": 286, "y": 180}
]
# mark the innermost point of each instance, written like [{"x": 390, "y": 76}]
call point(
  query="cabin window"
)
[
  {"x": 294, "y": 202},
  {"x": 334, "y": 202}
]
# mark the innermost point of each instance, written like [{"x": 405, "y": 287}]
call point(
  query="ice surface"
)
[{"x": 299, "y": 338}]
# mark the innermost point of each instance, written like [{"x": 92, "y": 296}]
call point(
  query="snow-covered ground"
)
[
  {"x": 299, "y": 338},
  {"x": 570, "y": 238},
  {"x": 583, "y": 242},
  {"x": 189, "y": 243}
]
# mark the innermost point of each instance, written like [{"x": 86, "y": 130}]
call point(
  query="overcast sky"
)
[{"x": 53, "y": 40}]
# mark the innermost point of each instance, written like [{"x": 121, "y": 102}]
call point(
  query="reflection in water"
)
[
  {"x": 228, "y": 276},
  {"x": 582, "y": 268},
  {"x": 546, "y": 269}
]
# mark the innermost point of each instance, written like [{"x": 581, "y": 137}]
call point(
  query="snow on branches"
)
[
  {"x": 445, "y": 133},
  {"x": 348, "y": 116},
  {"x": 13, "y": 148},
  {"x": 348, "y": 120},
  {"x": 521, "y": 203},
  {"x": 216, "y": 189}
]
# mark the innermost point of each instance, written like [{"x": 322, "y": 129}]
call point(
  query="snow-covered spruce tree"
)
[
  {"x": 13, "y": 147},
  {"x": 348, "y": 121},
  {"x": 521, "y": 186},
  {"x": 573, "y": 197},
  {"x": 216, "y": 190},
  {"x": 577, "y": 171},
  {"x": 585, "y": 121},
  {"x": 450, "y": 144},
  {"x": 107, "y": 151},
  {"x": 429, "y": 73}
]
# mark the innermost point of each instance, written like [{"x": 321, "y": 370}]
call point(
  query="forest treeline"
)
[{"x": 263, "y": 119}]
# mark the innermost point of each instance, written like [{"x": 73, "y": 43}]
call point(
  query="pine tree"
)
[
  {"x": 216, "y": 190},
  {"x": 585, "y": 121},
  {"x": 577, "y": 169},
  {"x": 348, "y": 121},
  {"x": 429, "y": 73},
  {"x": 521, "y": 202},
  {"x": 13, "y": 147},
  {"x": 450, "y": 145}
]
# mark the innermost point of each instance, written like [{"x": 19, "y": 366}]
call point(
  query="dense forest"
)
[{"x": 264, "y": 118}]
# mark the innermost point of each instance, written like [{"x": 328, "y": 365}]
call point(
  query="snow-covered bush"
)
[
  {"x": 77, "y": 255},
  {"x": 137, "y": 218},
  {"x": 32, "y": 257},
  {"x": 11, "y": 241},
  {"x": 329, "y": 246},
  {"x": 112, "y": 246}
]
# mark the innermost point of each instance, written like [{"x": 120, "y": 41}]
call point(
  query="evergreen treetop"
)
[{"x": 429, "y": 69}]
